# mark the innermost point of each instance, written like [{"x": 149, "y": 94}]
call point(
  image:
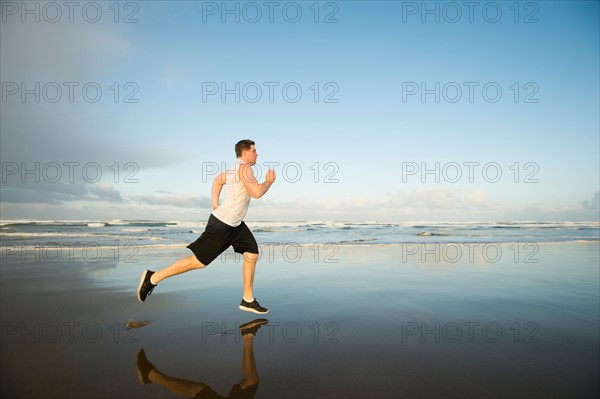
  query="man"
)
[{"x": 225, "y": 227}]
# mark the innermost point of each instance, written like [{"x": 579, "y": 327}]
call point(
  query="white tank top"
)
[{"x": 233, "y": 209}]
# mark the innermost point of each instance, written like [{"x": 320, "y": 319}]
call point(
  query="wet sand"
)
[{"x": 381, "y": 322}]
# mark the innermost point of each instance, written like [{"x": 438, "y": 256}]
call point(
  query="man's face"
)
[{"x": 249, "y": 156}]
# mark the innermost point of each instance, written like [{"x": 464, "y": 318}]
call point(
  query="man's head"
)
[{"x": 245, "y": 150}]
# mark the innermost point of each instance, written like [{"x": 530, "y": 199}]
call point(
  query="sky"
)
[{"x": 367, "y": 110}]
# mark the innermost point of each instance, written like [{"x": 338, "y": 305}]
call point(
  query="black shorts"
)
[
  {"x": 218, "y": 236},
  {"x": 237, "y": 392}
]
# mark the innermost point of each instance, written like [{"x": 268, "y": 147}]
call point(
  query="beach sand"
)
[{"x": 350, "y": 321}]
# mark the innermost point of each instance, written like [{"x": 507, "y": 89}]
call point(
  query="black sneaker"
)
[
  {"x": 252, "y": 326},
  {"x": 144, "y": 367},
  {"x": 145, "y": 287},
  {"x": 253, "y": 307}
]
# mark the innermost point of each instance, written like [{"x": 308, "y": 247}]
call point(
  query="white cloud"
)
[
  {"x": 419, "y": 204},
  {"x": 432, "y": 204},
  {"x": 431, "y": 199},
  {"x": 479, "y": 199},
  {"x": 58, "y": 193},
  {"x": 105, "y": 191},
  {"x": 178, "y": 200},
  {"x": 594, "y": 203}
]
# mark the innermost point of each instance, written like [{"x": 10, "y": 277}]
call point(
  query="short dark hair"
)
[{"x": 243, "y": 145}]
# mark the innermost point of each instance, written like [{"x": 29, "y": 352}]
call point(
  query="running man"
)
[{"x": 225, "y": 227}]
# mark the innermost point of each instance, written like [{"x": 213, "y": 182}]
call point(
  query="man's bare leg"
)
[
  {"x": 148, "y": 373},
  {"x": 177, "y": 386},
  {"x": 181, "y": 266},
  {"x": 250, "y": 260},
  {"x": 248, "y": 331},
  {"x": 149, "y": 279},
  {"x": 248, "y": 363},
  {"x": 249, "y": 303}
]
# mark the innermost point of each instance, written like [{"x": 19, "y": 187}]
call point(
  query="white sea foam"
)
[
  {"x": 79, "y": 235},
  {"x": 144, "y": 232}
]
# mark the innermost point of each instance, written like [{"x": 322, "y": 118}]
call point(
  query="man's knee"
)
[
  {"x": 195, "y": 263},
  {"x": 250, "y": 257}
]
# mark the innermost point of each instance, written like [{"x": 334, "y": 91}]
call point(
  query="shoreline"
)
[{"x": 49, "y": 247}]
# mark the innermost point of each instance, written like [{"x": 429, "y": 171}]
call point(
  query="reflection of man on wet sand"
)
[{"x": 148, "y": 373}]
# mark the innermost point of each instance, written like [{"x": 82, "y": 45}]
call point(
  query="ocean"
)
[{"x": 154, "y": 233}]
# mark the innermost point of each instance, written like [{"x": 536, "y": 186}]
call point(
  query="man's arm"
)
[
  {"x": 218, "y": 184},
  {"x": 255, "y": 189}
]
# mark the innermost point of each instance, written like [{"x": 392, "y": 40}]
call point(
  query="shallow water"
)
[{"x": 376, "y": 323}]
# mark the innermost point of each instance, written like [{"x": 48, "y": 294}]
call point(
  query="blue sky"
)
[{"x": 363, "y": 144}]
